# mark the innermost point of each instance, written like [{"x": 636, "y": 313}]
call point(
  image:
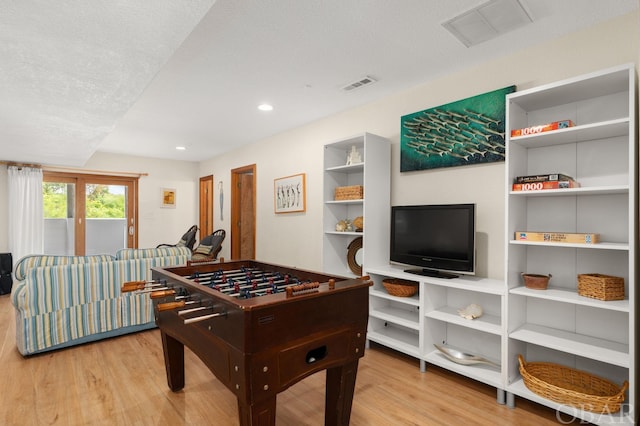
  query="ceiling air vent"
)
[
  {"x": 364, "y": 81},
  {"x": 487, "y": 21}
]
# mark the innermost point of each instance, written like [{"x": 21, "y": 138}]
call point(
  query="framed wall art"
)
[
  {"x": 168, "y": 198},
  {"x": 465, "y": 132},
  {"x": 289, "y": 194}
]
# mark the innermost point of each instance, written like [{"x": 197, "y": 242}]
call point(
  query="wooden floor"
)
[{"x": 122, "y": 381}]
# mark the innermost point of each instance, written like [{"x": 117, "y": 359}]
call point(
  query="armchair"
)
[
  {"x": 209, "y": 247},
  {"x": 187, "y": 240}
]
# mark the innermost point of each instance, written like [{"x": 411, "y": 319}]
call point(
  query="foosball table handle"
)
[
  {"x": 133, "y": 286},
  {"x": 170, "y": 306},
  {"x": 299, "y": 289},
  {"x": 148, "y": 286},
  {"x": 159, "y": 294}
]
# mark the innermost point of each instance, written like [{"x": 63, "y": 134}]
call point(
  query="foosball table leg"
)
[
  {"x": 173, "y": 362},
  {"x": 340, "y": 386},
  {"x": 262, "y": 413}
]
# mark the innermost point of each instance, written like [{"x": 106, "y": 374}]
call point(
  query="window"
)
[{"x": 89, "y": 214}]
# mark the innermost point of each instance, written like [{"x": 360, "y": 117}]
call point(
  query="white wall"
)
[
  {"x": 295, "y": 239},
  {"x": 158, "y": 225}
]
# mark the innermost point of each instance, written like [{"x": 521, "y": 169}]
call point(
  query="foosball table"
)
[{"x": 260, "y": 328}]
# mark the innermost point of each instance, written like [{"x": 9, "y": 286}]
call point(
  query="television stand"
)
[{"x": 431, "y": 273}]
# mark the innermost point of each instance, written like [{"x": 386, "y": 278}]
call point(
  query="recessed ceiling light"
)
[
  {"x": 265, "y": 107},
  {"x": 181, "y": 148}
]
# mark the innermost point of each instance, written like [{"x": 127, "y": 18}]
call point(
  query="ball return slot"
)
[{"x": 316, "y": 354}]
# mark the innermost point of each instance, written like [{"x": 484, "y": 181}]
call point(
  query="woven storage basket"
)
[
  {"x": 601, "y": 287},
  {"x": 568, "y": 386},
  {"x": 400, "y": 288},
  {"x": 354, "y": 192}
]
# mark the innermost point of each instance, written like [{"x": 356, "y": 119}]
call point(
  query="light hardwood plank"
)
[{"x": 122, "y": 381}]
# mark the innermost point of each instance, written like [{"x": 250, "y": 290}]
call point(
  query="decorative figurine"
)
[
  {"x": 472, "y": 311},
  {"x": 354, "y": 156},
  {"x": 344, "y": 225},
  {"x": 349, "y": 226},
  {"x": 358, "y": 223}
]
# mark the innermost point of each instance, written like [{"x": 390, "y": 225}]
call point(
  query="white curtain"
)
[{"x": 26, "y": 221}]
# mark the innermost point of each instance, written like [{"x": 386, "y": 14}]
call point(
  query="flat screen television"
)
[{"x": 438, "y": 239}]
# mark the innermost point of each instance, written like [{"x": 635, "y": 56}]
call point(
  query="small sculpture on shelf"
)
[
  {"x": 358, "y": 223},
  {"x": 464, "y": 358},
  {"x": 472, "y": 311},
  {"x": 344, "y": 226},
  {"x": 354, "y": 156}
]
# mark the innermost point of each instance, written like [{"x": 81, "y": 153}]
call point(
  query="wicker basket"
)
[
  {"x": 400, "y": 288},
  {"x": 568, "y": 386},
  {"x": 601, "y": 287},
  {"x": 354, "y": 192},
  {"x": 536, "y": 281}
]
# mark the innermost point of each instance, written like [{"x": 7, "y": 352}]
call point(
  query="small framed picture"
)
[
  {"x": 168, "y": 198},
  {"x": 289, "y": 194}
]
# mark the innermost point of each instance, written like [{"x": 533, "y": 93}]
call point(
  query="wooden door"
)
[
  {"x": 243, "y": 212},
  {"x": 206, "y": 206}
]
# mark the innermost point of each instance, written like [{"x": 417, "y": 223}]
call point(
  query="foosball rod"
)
[
  {"x": 188, "y": 311},
  {"x": 231, "y": 282},
  {"x": 226, "y": 272},
  {"x": 204, "y": 317},
  {"x": 226, "y": 288},
  {"x": 130, "y": 286},
  {"x": 233, "y": 274},
  {"x": 244, "y": 284},
  {"x": 279, "y": 289}
]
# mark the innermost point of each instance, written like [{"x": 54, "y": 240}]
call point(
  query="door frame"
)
[
  {"x": 206, "y": 206},
  {"x": 235, "y": 229}
]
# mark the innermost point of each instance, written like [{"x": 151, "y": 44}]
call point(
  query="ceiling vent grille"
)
[
  {"x": 487, "y": 21},
  {"x": 364, "y": 81}
]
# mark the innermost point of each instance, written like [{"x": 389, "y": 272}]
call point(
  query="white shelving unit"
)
[
  {"x": 373, "y": 173},
  {"x": 413, "y": 325},
  {"x": 558, "y": 325},
  {"x": 555, "y": 325}
]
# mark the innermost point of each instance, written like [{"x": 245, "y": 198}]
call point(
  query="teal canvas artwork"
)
[{"x": 465, "y": 132}]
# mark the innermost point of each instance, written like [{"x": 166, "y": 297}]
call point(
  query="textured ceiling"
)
[
  {"x": 70, "y": 69},
  {"x": 142, "y": 77}
]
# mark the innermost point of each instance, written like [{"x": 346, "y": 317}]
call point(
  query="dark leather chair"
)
[
  {"x": 209, "y": 247},
  {"x": 187, "y": 240}
]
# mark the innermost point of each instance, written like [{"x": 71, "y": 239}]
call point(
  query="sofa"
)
[{"x": 62, "y": 301}]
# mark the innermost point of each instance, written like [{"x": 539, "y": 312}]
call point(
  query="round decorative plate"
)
[{"x": 354, "y": 258}]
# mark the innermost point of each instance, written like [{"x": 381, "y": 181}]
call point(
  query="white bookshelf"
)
[
  {"x": 413, "y": 325},
  {"x": 373, "y": 173},
  {"x": 558, "y": 325}
]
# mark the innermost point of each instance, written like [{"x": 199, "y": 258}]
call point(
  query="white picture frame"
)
[{"x": 289, "y": 194}]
